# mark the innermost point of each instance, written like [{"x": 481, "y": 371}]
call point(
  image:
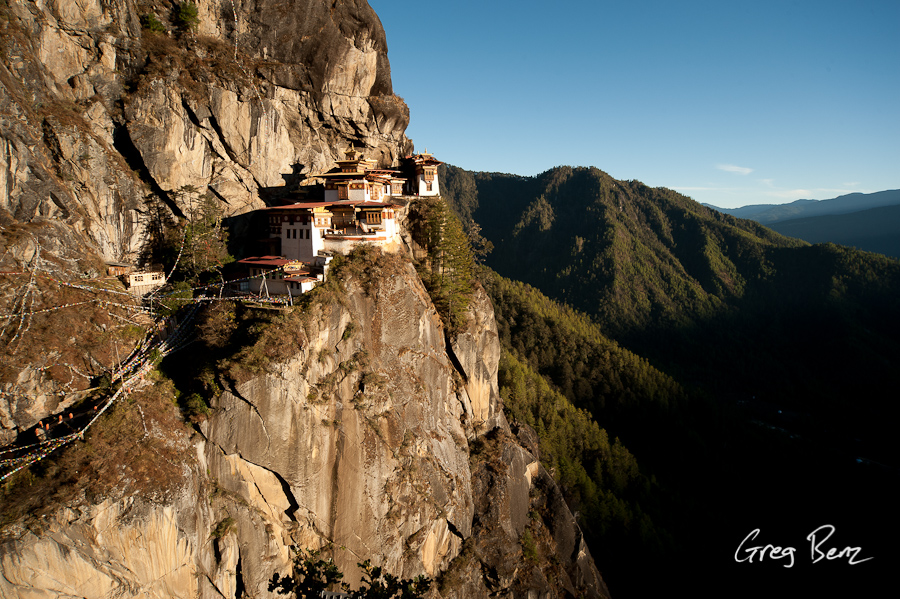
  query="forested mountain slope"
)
[
  {"x": 648, "y": 256},
  {"x": 561, "y": 376},
  {"x": 720, "y": 302},
  {"x": 779, "y": 360}
]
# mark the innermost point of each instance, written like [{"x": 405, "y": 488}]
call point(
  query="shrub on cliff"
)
[
  {"x": 150, "y": 22},
  {"x": 312, "y": 575},
  {"x": 186, "y": 16}
]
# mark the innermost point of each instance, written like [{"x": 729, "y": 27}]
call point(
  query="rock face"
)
[
  {"x": 103, "y": 121},
  {"x": 376, "y": 438},
  {"x": 113, "y": 549},
  {"x": 98, "y": 113},
  {"x": 358, "y": 440},
  {"x": 371, "y": 440}
]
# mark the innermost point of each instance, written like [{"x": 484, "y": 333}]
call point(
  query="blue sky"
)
[{"x": 731, "y": 103}]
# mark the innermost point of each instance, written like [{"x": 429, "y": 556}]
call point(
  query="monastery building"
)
[{"x": 360, "y": 205}]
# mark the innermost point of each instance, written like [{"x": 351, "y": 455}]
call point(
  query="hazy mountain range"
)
[{"x": 869, "y": 222}]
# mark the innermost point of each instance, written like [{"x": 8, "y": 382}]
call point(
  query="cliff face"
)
[
  {"x": 103, "y": 121},
  {"x": 372, "y": 434},
  {"x": 371, "y": 437},
  {"x": 98, "y": 113},
  {"x": 358, "y": 439}
]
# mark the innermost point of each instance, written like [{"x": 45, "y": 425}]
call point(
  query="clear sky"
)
[{"x": 729, "y": 102}]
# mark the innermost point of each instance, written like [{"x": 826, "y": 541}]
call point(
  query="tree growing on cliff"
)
[
  {"x": 448, "y": 267},
  {"x": 187, "y": 17},
  {"x": 150, "y": 22},
  {"x": 205, "y": 248},
  {"x": 193, "y": 247},
  {"x": 312, "y": 574}
]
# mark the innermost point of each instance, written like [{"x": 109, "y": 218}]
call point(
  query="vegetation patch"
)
[
  {"x": 150, "y": 22},
  {"x": 138, "y": 447},
  {"x": 187, "y": 16},
  {"x": 348, "y": 331},
  {"x": 447, "y": 267},
  {"x": 223, "y": 528},
  {"x": 529, "y": 547},
  {"x": 312, "y": 575},
  {"x": 45, "y": 340}
]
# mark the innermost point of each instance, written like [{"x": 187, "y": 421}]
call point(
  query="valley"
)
[
  {"x": 781, "y": 356},
  {"x": 560, "y": 385}
]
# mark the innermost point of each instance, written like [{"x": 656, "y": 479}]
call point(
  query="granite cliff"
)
[
  {"x": 366, "y": 430},
  {"x": 99, "y": 113},
  {"x": 103, "y": 120},
  {"x": 374, "y": 438}
]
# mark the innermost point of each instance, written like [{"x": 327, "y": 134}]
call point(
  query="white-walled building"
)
[
  {"x": 301, "y": 231},
  {"x": 426, "y": 181},
  {"x": 360, "y": 205},
  {"x": 356, "y": 179},
  {"x": 142, "y": 282},
  {"x": 275, "y": 275},
  {"x": 300, "y": 228}
]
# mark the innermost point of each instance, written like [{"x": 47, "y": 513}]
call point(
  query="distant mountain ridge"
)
[
  {"x": 869, "y": 222},
  {"x": 767, "y": 214},
  {"x": 872, "y": 230}
]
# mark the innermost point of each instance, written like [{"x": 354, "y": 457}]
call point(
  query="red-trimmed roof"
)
[
  {"x": 308, "y": 205},
  {"x": 301, "y": 206},
  {"x": 424, "y": 158},
  {"x": 265, "y": 261}
]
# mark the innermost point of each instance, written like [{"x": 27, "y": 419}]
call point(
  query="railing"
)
[{"x": 355, "y": 231}]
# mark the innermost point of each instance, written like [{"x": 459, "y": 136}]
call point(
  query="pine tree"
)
[
  {"x": 196, "y": 246},
  {"x": 448, "y": 267},
  {"x": 187, "y": 16}
]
